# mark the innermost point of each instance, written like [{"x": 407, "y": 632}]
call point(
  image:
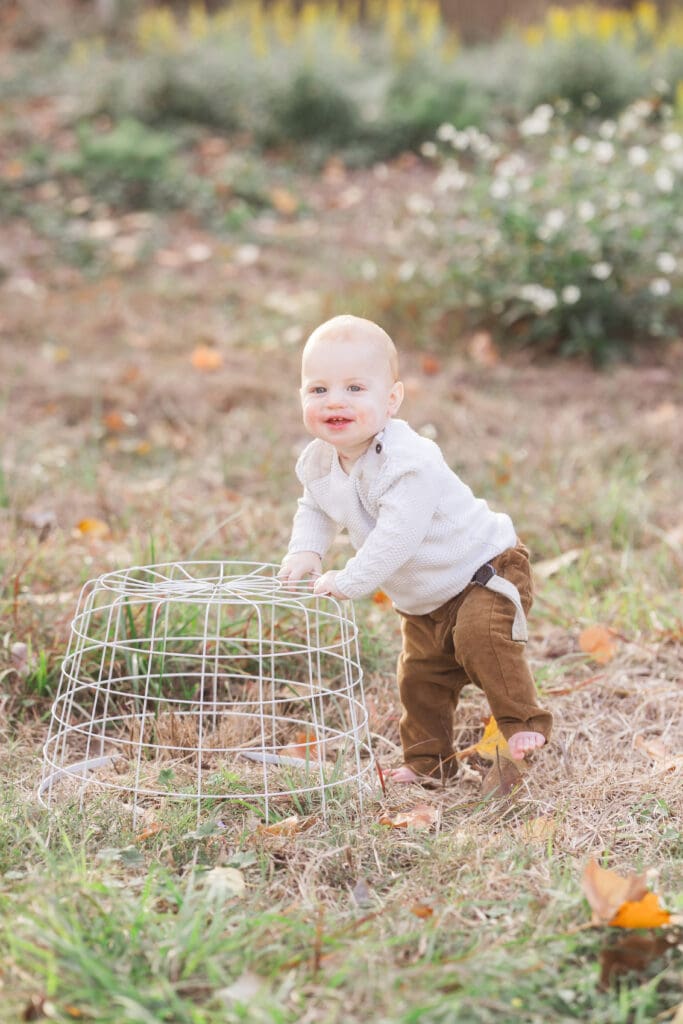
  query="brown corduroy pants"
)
[{"x": 467, "y": 640}]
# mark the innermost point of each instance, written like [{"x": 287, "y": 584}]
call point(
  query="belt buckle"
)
[{"x": 484, "y": 574}]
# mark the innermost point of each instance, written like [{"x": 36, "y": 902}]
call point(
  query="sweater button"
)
[{"x": 378, "y": 447}]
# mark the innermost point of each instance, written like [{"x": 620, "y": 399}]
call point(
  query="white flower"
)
[
  {"x": 671, "y": 141},
  {"x": 604, "y": 152},
  {"x": 552, "y": 222},
  {"x": 664, "y": 179},
  {"x": 637, "y": 156},
  {"x": 523, "y": 183},
  {"x": 660, "y": 286},
  {"x": 582, "y": 144},
  {"x": 428, "y": 150},
  {"x": 500, "y": 189},
  {"x": 510, "y": 166},
  {"x": 633, "y": 199},
  {"x": 461, "y": 141},
  {"x": 538, "y": 121},
  {"x": 542, "y": 299},
  {"x": 590, "y": 101},
  {"x": 429, "y": 430},
  {"x": 608, "y": 129},
  {"x": 406, "y": 270},
  {"x": 666, "y": 262},
  {"x": 368, "y": 270},
  {"x": 613, "y": 201},
  {"x": 601, "y": 270},
  {"x": 559, "y": 152},
  {"x": 585, "y": 210},
  {"x": 445, "y": 133},
  {"x": 419, "y": 204},
  {"x": 570, "y": 294},
  {"x": 450, "y": 178}
]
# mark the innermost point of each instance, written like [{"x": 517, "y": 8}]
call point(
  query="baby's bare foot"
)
[
  {"x": 404, "y": 774},
  {"x": 522, "y": 743}
]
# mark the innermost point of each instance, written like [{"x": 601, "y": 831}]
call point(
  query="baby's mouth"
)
[{"x": 336, "y": 420}]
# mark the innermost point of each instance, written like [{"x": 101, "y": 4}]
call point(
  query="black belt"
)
[{"x": 484, "y": 574}]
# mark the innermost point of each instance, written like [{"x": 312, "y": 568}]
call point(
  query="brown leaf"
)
[
  {"x": 606, "y": 891},
  {"x": 633, "y": 952},
  {"x": 285, "y": 827},
  {"x": 206, "y": 358},
  {"x": 598, "y": 641},
  {"x": 421, "y": 816}
]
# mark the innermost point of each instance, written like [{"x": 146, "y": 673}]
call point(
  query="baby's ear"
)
[{"x": 396, "y": 397}]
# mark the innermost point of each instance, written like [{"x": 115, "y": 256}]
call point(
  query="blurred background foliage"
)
[{"x": 584, "y": 102}]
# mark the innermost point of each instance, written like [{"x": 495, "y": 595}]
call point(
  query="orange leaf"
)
[
  {"x": 380, "y": 598},
  {"x": 421, "y": 910},
  {"x": 598, "y": 641},
  {"x": 607, "y": 892},
  {"x": 644, "y": 913},
  {"x": 95, "y": 528},
  {"x": 147, "y": 833},
  {"x": 114, "y": 422},
  {"x": 483, "y": 350},
  {"x": 286, "y": 827},
  {"x": 421, "y": 816},
  {"x": 305, "y": 746},
  {"x": 430, "y": 365},
  {"x": 206, "y": 359}
]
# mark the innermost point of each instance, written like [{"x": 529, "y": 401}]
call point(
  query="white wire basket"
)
[{"x": 205, "y": 682}]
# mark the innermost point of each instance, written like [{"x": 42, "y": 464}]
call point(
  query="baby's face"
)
[{"x": 347, "y": 392}]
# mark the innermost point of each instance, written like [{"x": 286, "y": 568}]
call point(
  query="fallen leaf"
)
[
  {"x": 152, "y": 830},
  {"x": 114, "y": 422},
  {"x": 630, "y": 953},
  {"x": 430, "y": 365},
  {"x": 285, "y": 827},
  {"x": 382, "y": 599},
  {"x": 97, "y": 529},
  {"x": 206, "y": 359},
  {"x": 606, "y": 891},
  {"x": 243, "y": 990},
  {"x": 643, "y": 913},
  {"x": 305, "y": 746},
  {"x": 539, "y": 830},
  {"x": 223, "y": 882},
  {"x": 598, "y": 641},
  {"x": 421, "y": 910},
  {"x": 492, "y": 741},
  {"x": 421, "y": 816},
  {"x": 361, "y": 894},
  {"x": 19, "y": 660},
  {"x": 549, "y": 566},
  {"x": 483, "y": 350},
  {"x": 284, "y": 201},
  {"x": 653, "y": 748}
]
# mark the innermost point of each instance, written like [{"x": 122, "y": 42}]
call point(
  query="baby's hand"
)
[
  {"x": 326, "y": 585},
  {"x": 299, "y": 564}
]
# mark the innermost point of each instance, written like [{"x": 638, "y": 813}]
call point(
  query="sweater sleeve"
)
[
  {"x": 312, "y": 529},
  {"x": 406, "y": 510}
]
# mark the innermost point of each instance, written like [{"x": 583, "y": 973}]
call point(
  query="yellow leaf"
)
[
  {"x": 95, "y": 528},
  {"x": 606, "y": 891},
  {"x": 492, "y": 744},
  {"x": 644, "y": 913},
  {"x": 421, "y": 816},
  {"x": 206, "y": 359},
  {"x": 598, "y": 641}
]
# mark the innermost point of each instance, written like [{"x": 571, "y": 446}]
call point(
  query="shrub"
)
[
  {"x": 565, "y": 242},
  {"x": 310, "y": 107},
  {"x": 593, "y": 76}
]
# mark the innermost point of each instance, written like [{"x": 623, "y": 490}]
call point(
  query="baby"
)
[{"x": 454, "y": 569}]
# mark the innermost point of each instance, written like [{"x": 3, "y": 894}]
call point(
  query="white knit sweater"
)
[{"x": 419, "y": 532}]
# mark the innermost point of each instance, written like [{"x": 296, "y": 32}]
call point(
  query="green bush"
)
[
  {"x": 132, "y": 165},
  {"x": 569, "y": 243},
  {"x": 309, "y": 107},
  {"x": 593, "y": 76}
]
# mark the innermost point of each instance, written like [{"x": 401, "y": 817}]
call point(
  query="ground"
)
[{"x": 151, "y": 412}]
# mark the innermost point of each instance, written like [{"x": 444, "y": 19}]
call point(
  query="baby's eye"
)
[
  {"x": 355, "y": 387},
  {"x": 319, "y": 390}
]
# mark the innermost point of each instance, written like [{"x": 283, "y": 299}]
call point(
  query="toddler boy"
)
[{"x": 457, "y": 575}]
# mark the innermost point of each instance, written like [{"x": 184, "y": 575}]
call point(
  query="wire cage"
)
[{"x": 209, "y": 681}]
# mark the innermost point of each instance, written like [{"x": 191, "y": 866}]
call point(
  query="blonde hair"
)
[{"x": 347, "y": 327}]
